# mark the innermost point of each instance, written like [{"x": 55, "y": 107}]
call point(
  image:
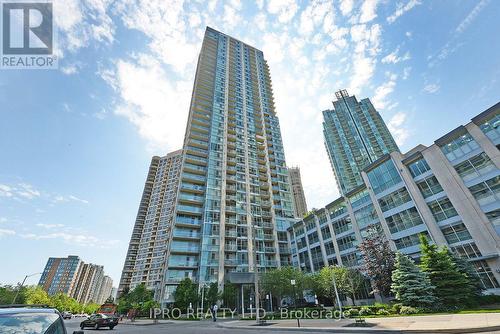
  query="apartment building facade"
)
[
  {"x": 355, "y": 136},
  {"x": 60, "y": 275},
  {"x": 145, "y": 260},
  {"x": 299, "y": 198},
  {"x": 234, "y": 197},
  {"x": 88, "y": 284},
  {"x": 449, "y": 191}
]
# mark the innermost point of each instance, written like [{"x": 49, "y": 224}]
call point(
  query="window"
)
[
  {"x": 430, "y": 186},
  {"x": 456, "y": 233},
  {"x": 486, "y": 275},
  {"x": 329, "y": 248},
  {"x": 350, "y": 260},
  {"x": 468, "y": 251},
  {"x": 491, "y": 128},
  {"x": 394, "y": 199},
  {"x": 325, "y": 232},
  {"x": 487, "y": 192},
  {"x": 359, "y": 199},
  {"x": 404, "y": 220},
  {"x": 365, "y": 215},
  {"x": 347, "y": 242},
  {"x": 442, "y": 209},
  {"x": 494, "y": 217},
  {"x": 342, "y": 225},
  {"x": 459, "y": 147},
  {"x": 475, "y": 166},
  {"x": 409, "y": 241},
  {"x": 384, "y": 176},
  {"x": 313, "y": 238},
  {"x": 337, "y": 210},
  {"x": 418, "y": 167}
]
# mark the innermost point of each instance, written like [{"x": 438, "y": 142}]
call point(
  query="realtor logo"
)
[{"x": 27, "y": 35}]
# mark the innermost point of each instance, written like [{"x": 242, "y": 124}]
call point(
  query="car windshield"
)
[{"x": 29, "y": 323}]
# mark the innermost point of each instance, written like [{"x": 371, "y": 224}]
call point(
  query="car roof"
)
[{"x": 26, "y": 310}]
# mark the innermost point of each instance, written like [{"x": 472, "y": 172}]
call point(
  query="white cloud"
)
[
  {"x": 155, "y": 105},
  {"x": 163, "y": 23},
  {"x": 398, "y": 129},
  {"x": 394, "y": 58},
  {"x": 83, "y": 240},
  {"x": 70, "y": 69},
  {"x": 19, "y": 191},
  {"x": 49, "y": 226},
  {"x": 346, "y": 6},
  {"x": 471, "y": 16},
  {"x": 431, "y": 88},
  {"x": 4, "y": 232},
  {"x": 368, "y": 11},
  {"x": 284, "y": 9},
  {"x": 313, "y": 16},
  {"x": 381, "y": 92},
  {"x": 61, "y": 199},
  {"x": 80, "y": 23},
  {"x": 401, "y": 9},
  {"x": 406, "y": 72},
  {"x": 453, "y": 43}
]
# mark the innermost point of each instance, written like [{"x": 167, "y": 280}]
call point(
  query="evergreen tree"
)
[
  {"x": 452, "y": 286},
  {"x": 410, "y": 285},
  {"x": 466, "y": 268},
  {"x": 378, "y": 260}
]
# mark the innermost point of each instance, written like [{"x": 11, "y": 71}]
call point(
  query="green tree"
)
[
  {"x": 91, "y": 308},
  {"x": 452, "y": 286},
  {"x": 211, "y": 294},
  {"x": 140, "y": 299},
  {"x": 229, "y": 295},
  {"x": 322, "y": 283},
  {"x": 7, "y": 293},
  {"x": 278, "y": 282},
  {"x": 378, "y": 260},
  {"x": 36, "y": 295},
  {"x": 410, "y": 284},
  {"x": 186, "y": 293},
  {"x": 350, "y": 282}
]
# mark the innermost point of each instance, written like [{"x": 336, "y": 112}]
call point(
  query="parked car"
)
[
  {"x": 97, "y": 321},
  {"x": 67, "y": 315},
  {"x": 31, "y": 319}
]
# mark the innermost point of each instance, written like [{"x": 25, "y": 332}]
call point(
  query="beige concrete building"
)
[
  {"x": 105, "y": 290},
  {"x": 449, "y": 191},
  {"x": 88, "y": 284},
  {"x": 145, "y": 261},
  {"x": 299, "y": 198}
]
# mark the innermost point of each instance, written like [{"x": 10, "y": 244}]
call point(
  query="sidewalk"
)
[{"x": 449, "y": 323}]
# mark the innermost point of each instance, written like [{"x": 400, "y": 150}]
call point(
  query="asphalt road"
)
[{"x": 188, "y": 327}]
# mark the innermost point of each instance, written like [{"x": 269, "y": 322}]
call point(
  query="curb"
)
[
  {"x": 144, "y": 324},
  {"x": 362, "y": 330}
]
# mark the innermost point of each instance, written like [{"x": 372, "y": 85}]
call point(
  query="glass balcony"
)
[
  {"x": 187, "y": 221},
  {"x": 186, "y": 234}
]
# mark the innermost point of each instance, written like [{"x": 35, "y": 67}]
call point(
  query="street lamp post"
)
[
  {"x": 293, "y": 283},
  {"x": 255, "y": 272},
  {"x": 21, "y": 286},
  {"x": 337, "y": 294}
]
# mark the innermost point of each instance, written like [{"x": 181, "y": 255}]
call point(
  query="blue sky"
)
[{"x": 76, "y": 142}]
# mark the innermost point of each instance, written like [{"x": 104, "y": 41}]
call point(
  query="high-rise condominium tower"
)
[
  {"x": 355, "y": 136},
  {"x": 146, "y": 252},
  {"x": 299, "y": 199},
  {"x": 234, "y": 185}
]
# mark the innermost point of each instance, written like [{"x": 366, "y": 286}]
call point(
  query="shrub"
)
[
  {"x": 396, "y": 308},
  {"x": 383, "y": 312},
  {"x": 488, "y": 299},
  {"x": 351, "y": 313},
  {"x": 365, "y": 311},
  {"x": 408, "y": 310}
]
